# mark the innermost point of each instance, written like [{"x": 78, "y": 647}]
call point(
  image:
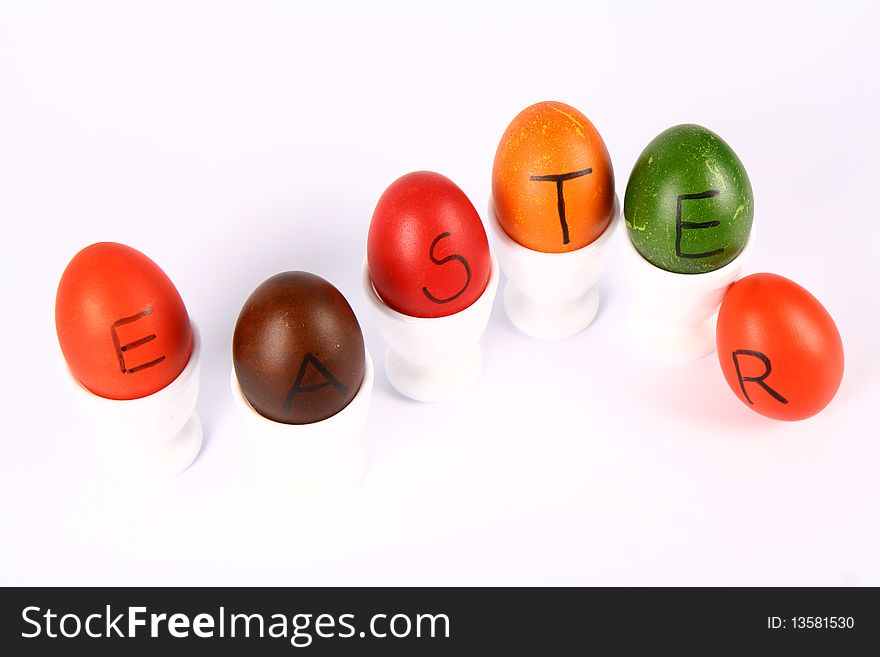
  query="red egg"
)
[
  {"x": 122, "y": 325},
  {"x": 427, "y": 250},
  {"x": 779, "y": 349}
]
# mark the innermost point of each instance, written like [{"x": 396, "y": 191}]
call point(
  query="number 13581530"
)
[{"x": 811, "y": 623}]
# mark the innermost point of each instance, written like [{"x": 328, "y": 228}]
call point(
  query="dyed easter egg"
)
[
  {"x": 121, "y": 323},
  {"x": 427, "y": 250},
  {"x": 297, "y": 349},
  {"x": 779, "y": 349},
  {"x": 688, "y": 203},
  {"x": 552, "y": 181}
]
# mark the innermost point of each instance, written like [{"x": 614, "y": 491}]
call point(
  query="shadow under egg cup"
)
[
  {"x": 551, "y": 295},
  {"x": 674, "y": 315},
  {"x": 152, "y": 437},
  {"x": 430, "y": 359},
  {"x": 312, "y": 462}
]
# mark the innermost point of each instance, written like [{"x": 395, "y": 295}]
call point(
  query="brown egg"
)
[
  {"x": 298, "y": 350},
  {"x": 552, "y": 181}
]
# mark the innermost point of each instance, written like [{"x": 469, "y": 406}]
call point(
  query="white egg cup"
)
[
  {"x": 430, "y": 359},
  {"x": 674, "y": 315},
  {"x": 153, "y": 437},
  {"x": 314, "y": 462},
  {"x": 551, "y": 295}
]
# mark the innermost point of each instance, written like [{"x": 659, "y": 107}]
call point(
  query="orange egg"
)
[
  {"x": 552, "y": 182},
  {"x": 121, "y": 323},
  {"x": 779, "y": 349}
]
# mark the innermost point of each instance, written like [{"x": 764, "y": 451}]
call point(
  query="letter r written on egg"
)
[
  {"x": 760, "y": 379},
  {"x": 123, "y": 348}
]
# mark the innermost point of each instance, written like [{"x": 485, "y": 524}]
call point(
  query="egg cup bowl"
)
[
  {"x": 313, "y": 462},
  {"x": 430, "y": 359},
  {"x": 152, "y": 437},
  {"x": 551, "y": 295},
  {"x": 674, "y": 315}
]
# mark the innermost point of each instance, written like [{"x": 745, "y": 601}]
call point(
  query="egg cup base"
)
[
  {"x": 431, "y": 359},
  {"x": 685, "y": 342},
  {"x": 551, "y": 296},
  {"x": 161, "y": 461},
  {"x": 149, "y": 438},
  {"x": 316, "y": 462},
  {"x": 554, "y": 321},
  {"x": 434, "y": 383},
  {"x": 673, "y": 316}
]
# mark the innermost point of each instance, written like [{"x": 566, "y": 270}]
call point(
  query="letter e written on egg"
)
[
  {"x": 681, "y": 225},
  {"x": 326, "y": 375},
  {"x": 760, "y": 379},
  {"x": 123, "y": 349}
]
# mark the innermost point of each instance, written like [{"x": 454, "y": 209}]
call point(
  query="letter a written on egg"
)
[
  {"x": 298, "y": 387},
  {"x": 123, "y": 349},
  {"x": 559, "y": 179},
  {"x": 760, "y": 380}
]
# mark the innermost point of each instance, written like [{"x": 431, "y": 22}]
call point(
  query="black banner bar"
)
[{"x": 419, "y": 621}]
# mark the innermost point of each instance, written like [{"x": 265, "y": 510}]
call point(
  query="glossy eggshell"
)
[
  {"x": 546, "y": 141},
  {"x": 121, "y": 323},
  {"x": 298, "y": 350},
  {"x": 688, "y": 161},
  {"x": 768, "y": 322},
  {"x": 427, "y": 250}
]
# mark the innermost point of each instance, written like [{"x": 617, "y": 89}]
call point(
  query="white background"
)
[{"x": 229, "y": 141}]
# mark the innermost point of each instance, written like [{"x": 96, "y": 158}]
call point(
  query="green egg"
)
[{"x": 688, "y": 203}]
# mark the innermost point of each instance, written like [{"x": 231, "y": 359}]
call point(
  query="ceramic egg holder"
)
[
  {"x": 551, "y": 295},
  {"x": 153, "y": 437},
  {"x": 312, "y": 462},
  {"x": 674, "y": 315},
  {"x": 430, "y": 359}
]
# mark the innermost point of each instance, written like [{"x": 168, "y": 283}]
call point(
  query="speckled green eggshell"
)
[{"x": 688, "y": 161}]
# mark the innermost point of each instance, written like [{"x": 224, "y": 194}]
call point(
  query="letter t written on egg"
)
[
  {"x": 123, "y": 348},
  {"x": 560, "y": 179}
]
